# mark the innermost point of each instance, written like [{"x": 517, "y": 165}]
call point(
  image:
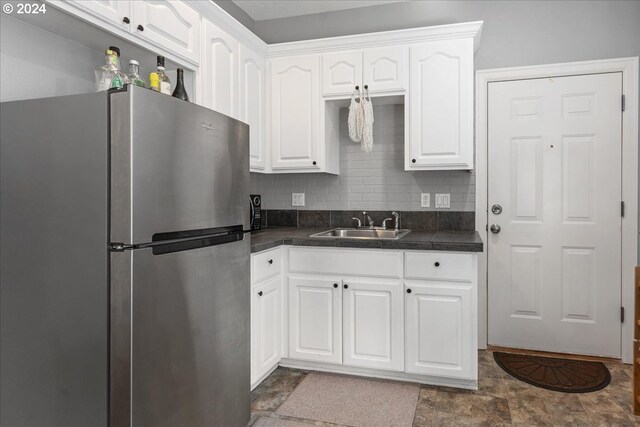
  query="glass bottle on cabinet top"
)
[
  {"x": 163, "y": 79},
  {"x": 109, "y": 75},
  {"x": 180, "y": 91}
]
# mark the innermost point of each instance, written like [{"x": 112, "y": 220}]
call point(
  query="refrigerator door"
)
[
  {"x": 54, "y": 285},
  {"x": 186, "y": 315},
  {"x": 175, "y": 166}
]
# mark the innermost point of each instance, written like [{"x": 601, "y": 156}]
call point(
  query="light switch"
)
[
  {"x": 443, "y": 201},
  {"x": 425, "y": 200},
  {"x": 297, "y": 199}
]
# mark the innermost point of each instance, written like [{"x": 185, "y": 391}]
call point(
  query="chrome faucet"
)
[
  {"x": 397, "y": 218},
  {"x": 384, "y": 222},
  {"x": 359, "y": 222},
  {"x": 368, "y": 219}
]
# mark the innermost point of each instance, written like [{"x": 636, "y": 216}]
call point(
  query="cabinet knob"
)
[
  {"x": 346, "y": 286},
  {"x": 270, "y": 261},
  {"x": 366, "y": 86},
  {"x": 413, "y": 160},
  {"x": 126, "y": 20},
  {"x": 335, "y": 285},
  {"x": 437, "y": 264},
  {"x": 260, "y": 293},
  {"x": 140, "y": 28},
  {"x": 409, "y": 290},
  {"x": 314, "y": 163}
]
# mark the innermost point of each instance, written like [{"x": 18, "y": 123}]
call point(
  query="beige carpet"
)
[{"x": 352, "y": 401}]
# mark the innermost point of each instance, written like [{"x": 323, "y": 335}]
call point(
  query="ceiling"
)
[{"x": 261, "y": 10}]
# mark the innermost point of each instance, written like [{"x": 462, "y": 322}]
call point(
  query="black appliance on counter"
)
[{"x": 256, "y": 212}]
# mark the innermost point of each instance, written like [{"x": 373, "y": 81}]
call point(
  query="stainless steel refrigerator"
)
[{"x": 124, "y": 275}]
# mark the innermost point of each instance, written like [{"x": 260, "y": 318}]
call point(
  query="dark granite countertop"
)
[{"x": 462, "y": 241}]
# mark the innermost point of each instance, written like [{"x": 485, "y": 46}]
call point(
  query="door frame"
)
[{"x": 629, "y": 69}]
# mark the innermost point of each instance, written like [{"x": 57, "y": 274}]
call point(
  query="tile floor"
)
[{"x": 500, "y": 401}]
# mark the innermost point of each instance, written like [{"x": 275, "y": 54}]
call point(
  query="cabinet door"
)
[
  {"x": 170, "y": 24},
  {"x": 295, "y": 113},
  {"x": 253, "y": 105},
  {"x": 386, "y": 69},
  {"x": 111, "y": 11},
  {"x": 220, "y": 71},
  {"x": 341, "y": 72},
  {"x": 441, "y": 101},
  {"x": 265, "y": 327},
  {"x": 439, "y": 339},
  {"x": 373, "y": 316},
  {"x": 315, "y": 319}
]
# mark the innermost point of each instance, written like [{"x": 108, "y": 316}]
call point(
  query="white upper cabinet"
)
[
  {"x": 341, "y": 72},
  {"x": 295, "y": 114},
  {"x": 116, "y": 12},
  {"x": 380, "y": 69},
  {"x": 386, "y": 69},
  {"x": 441, "y": 106},
  {"x": 219, "y": 70},
  {"x": 253, "y": 104},
  {"x": 170, "y": 24}
]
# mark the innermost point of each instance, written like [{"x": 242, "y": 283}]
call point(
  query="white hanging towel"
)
[
  {"x": 367, "y": 125},
  {"x": 355, "y": 120}
]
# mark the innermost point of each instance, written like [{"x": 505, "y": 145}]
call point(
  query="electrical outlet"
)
[
  {"x": 425, "y": 200},
  {"x": 443, "y": 201},
  {"x": 297, "y": 199}
]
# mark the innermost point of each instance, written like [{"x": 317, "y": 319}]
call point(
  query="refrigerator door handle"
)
[
  {"x": 228, "y": 235},
  {"x": 119, "y": 246}
]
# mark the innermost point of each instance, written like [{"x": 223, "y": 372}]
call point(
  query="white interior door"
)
[{"x": 554, "y": 166}]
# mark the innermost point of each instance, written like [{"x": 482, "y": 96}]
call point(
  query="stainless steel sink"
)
[{"x": 362, "y": 233}]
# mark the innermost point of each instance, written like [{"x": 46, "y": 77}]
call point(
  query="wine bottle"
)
[{"x": 180, "y": 91}]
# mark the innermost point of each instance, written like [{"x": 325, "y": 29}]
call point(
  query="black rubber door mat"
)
[{"x": 565, "y": 375}]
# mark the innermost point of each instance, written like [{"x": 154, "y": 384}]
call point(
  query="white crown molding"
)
[
  {"x": 361, "y": 41},
  {"x": 218, "y": 16}
]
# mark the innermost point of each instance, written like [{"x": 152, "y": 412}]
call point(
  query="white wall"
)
[{"x": 35, "y": 63}]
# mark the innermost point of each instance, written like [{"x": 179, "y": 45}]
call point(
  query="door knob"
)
[
  {"x": 495, "y": 228},
  {"x": 496, "y": 209},
  {"x": 140, "y": 28},
  {"x": 335, "y": 285},
  {"x": 260, "y": 293}
]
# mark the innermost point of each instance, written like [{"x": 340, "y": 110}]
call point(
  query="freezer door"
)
[
  {"x": 188, "y": 329},
  {"x": 175, "y": 166}
]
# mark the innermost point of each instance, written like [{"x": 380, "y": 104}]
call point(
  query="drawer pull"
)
[
  {"x": 335, "y": 285},
  {"x": 346, "y": 286},
  {"x": 409, "y": 290},
  {"x": 437, "y": 264},
  {"x": 270, "y": 261},
  {"x": 260, "y": 293}
]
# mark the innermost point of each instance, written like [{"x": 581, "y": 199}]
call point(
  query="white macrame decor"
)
[{"x": 355, "y": 117}]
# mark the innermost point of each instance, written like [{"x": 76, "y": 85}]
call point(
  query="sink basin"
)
[{"x": 362, "y": 233}]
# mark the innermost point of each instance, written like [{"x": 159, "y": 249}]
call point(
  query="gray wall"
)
[
  {"x": 239, "y": 14},
  {"x": 35, "y": 63},
  {"x": 514, "y": 33},
  {"x": 371, "y": 181}
]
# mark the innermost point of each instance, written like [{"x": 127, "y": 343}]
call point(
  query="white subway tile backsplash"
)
[{"x": 372, "y": 181}]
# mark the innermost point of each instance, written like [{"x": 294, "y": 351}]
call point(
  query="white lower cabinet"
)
[
  {"x": 315, "y": 319},
  {"x": 410, "y": 315},
  {"x": 265, "y": 327},
  {"x": 373, "y": 317},
  {"x": 439, "y": 336}
]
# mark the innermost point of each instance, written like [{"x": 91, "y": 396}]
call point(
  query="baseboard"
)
[{"x": 375, "y": 373}]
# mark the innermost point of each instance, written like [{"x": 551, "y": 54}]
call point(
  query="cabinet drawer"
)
[
  {"x": 265, "y": 264},
  {"x": 438, "y": 266},
  {"x": 372, "y": 263}
]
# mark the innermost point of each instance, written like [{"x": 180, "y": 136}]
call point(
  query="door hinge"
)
[
  {"x": 621, "y": 314},
  {"x": 622, "y": 209},
  {"x": 623, "y": 102}
]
